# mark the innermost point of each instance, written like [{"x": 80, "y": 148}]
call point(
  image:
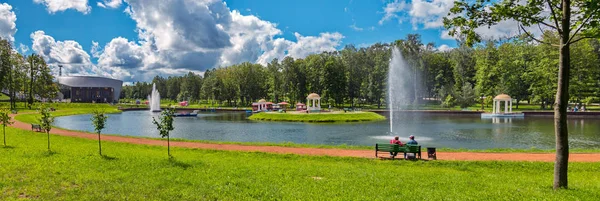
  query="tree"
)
[
  {"x": 572, "y": 20},
  {"x": 99, "y": 120},
  {"x": 5, "y": 120},
  {"x": 46, "y": 120},
  {"x": 165, "y": 125}
]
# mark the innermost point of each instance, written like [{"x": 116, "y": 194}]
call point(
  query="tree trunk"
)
[
  {"x": 4, "y": 132},
  {"x": 168, "y": 146},
  {"x": 99, "y": 145},
  {"x": 561, "y": 102},
  {"x": 48, "y": 133}
]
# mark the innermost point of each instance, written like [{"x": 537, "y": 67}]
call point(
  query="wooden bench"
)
[
  {"x": 37, "y": 127},
  {"x": 394, "y": 148}
]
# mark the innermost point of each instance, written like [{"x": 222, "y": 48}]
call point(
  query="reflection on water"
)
[{"x": 436, "y": 131}]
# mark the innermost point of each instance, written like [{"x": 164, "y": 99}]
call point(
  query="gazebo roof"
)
[
  {"x": 313, "y": 96},
  {"x": 283, "y": 103},
  {"x": 262, "y": 100},
  {"x": 503, "y": 97}
]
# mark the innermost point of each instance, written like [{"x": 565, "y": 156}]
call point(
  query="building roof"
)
[
  {"x": 313, "y": 96},
  {"x": 503, "y": 97}
]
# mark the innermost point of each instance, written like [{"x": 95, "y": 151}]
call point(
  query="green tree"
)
[
  {"x": 572, "y": 20},
  {"x": 165, "y": 125},
  {"x": 99, "y": 121},
  {"x": 5, "y": 120},
  {"x": 46, "y": 120}
]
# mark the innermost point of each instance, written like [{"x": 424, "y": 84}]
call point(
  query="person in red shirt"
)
[{"x": 397, "y": 141}]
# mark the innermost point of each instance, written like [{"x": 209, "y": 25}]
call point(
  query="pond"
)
[{"x": 449, "y": 131}]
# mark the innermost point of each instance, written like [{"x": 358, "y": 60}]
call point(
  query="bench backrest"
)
[
  {"x": 412, "y": 148},
  {"x": 389, "y": 147}
]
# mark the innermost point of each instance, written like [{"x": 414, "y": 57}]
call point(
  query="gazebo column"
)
[
  {"x": 510, "y": 106},
  {"x": 505, "y": 106},
  {"x": 494, "y": 107},
  {"x": 498, "y": 106}
]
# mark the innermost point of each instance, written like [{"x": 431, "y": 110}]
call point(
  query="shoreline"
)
[{"x": 384, "y": 112}]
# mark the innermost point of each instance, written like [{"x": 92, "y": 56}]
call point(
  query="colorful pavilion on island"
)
[
  {"x": 262, "y": 105},
  {"x": 300, "y": 106}
]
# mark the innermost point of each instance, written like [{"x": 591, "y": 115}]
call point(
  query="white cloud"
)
[
  {"x": 429, "y": 14},
  {"x": 54, "y": 6},
  {"x": 71, "y": 56},
  {"x": 306, "y": 45},
  {"x": 8, "y": 27},
  {"x": 178, "y": 36},
  {"x": 110, "y": 3},
  {"x": 353, "y": 26},
  {"x": 391, "y": 11},
  {"x": 444, "y": 48},
  {"x": 23, "y": 48}
]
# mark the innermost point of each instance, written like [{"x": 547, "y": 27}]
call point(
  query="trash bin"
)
[{"x": 431, "y": 153}]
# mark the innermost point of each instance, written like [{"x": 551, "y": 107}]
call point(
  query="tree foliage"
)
[
  {"x": 46, "y": 121},
  {"x": 5, "y": 120},
  {"x": 99, "y": 121},
  {"x": 165, "y": 125}
]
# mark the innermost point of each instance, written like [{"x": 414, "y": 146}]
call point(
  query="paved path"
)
[{"x": 466, "y": 156}]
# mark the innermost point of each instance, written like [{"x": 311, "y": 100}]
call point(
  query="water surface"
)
[{"x": 430, "y": 130}]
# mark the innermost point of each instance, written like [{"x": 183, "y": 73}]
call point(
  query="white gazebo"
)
[
  {"x": 262, "y": 105},
  {"x": 507, "y": 104},
  {"x": 313, "y": 102}
]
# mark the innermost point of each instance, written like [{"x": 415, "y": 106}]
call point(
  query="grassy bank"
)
[
  {"x": 318, "y": 117},
  {"x": 135, "y": 172}
]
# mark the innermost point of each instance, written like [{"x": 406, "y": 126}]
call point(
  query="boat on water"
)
[{"x": 185, "y": 114}]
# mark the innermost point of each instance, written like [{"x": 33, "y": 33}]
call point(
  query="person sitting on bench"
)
[
  {"x": 397, "y": 141},
  {"x": 411, "y": 141}
]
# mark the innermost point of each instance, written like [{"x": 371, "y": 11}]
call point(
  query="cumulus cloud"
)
[
  {"x": 392, "y": 9},
  {"x": 444, "y": 48},
  {"x": 54, "y": 6},
  {"x": 429, "y": 14},
  {"x": 71, "y": 56},
  {"x": 8, "y": 27},
  {"x": 178, "y": 36},
  {"x": 23, "y": 48},
  {"x": 110, "y": 3}
]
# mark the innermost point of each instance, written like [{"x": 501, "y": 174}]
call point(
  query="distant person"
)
[
  {"x": 397, "y": 141},
  {"x": 575, "y": 109},
  {"x": 412, "y": 140}
]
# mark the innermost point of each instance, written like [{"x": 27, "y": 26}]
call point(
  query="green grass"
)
[
  {"x": 318, "y": 117},
  {"x": 66, "y": 109},
  {"x": 135, "y": 172}
]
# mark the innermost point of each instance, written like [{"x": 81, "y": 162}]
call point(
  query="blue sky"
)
[{"x": 135, "y": 40}]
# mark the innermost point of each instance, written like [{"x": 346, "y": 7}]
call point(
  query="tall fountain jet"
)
[
  {"x": 399, "y": 85},
  {"x": 154, "y": 99}
]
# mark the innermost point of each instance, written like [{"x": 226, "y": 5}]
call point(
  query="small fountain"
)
[
  {"x": 399, "y": 85},
  {"x": 154, "y": 99}
]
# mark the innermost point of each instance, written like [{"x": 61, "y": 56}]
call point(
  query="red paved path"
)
[{"x": 467, "y": 156}]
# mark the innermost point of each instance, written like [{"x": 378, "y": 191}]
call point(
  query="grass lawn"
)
[
  {"x": 65, "y": 109},
  {"x": 136, "y": 172},
  {"x": 318, "y": 117}
]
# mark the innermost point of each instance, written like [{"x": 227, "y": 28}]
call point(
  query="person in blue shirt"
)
[{"x": 412, "y": 140}]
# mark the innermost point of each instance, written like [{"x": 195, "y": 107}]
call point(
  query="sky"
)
[{"x": 135, "y": 40}]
